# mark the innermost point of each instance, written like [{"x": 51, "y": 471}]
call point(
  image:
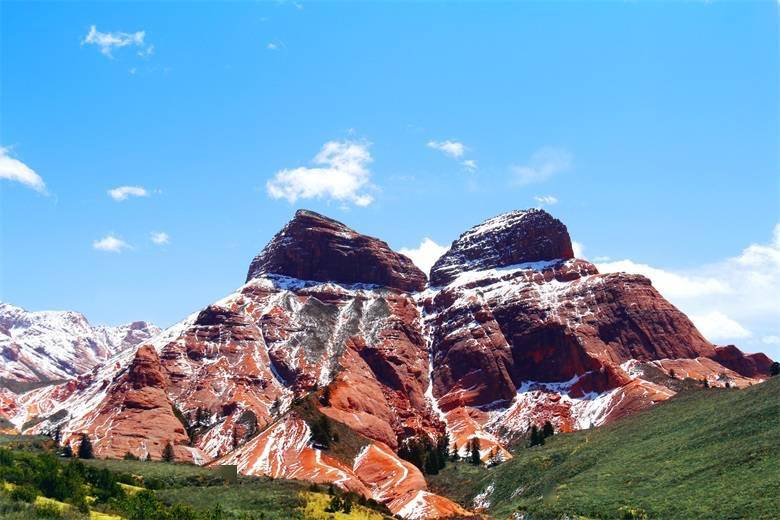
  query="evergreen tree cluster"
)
[
  {"x": 44, "y": 474},
  {"x": 539, "y": 435},
  {"x": 321, "y": 432},
  {"x": 339, "y": 504},
  {"x": 473, "y": 448},
  {"x": 424, "y": 454}
]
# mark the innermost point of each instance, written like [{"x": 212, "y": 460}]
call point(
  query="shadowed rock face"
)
[
  {"x": 314, "y": 247},
  {"x": 512, "y": 238},
  {"x": 748, "y": 365}
]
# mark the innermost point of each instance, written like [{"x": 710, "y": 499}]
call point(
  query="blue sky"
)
[{"x": 650, "y": 129}]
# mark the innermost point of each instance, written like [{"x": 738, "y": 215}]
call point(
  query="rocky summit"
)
[
  {"x": 314, "y": 247},
  {"x": 334, "y": 328}
]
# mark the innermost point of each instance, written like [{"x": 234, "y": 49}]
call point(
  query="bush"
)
[
  {"x": 47, "y": 510},
  {"x": 167, "y": 454},
  {"x": 24, "y": 494}
]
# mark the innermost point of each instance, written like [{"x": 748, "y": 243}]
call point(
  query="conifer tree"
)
[
  {"x": 548, "y": 430},
  {"x": 474, "y": 451},
  {"x": 85, "y": 447}
]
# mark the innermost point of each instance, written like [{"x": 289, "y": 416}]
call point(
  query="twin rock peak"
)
[{"x": 314, "y": 247}]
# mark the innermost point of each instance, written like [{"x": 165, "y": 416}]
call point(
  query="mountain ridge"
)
[
  {"x": 47, "y": 345},
  {"x": 512, "y": 339}
]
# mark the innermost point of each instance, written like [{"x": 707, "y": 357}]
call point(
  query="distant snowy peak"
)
[
  {"x": 517, "y": 237},
  {"x": 49, "y": 345}
]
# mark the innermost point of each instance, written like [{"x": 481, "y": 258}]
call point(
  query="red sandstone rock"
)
[
  {"x": 512, "y": 238},
  {"x": 314, "y": 247},
  {"x": 748, "y": 365}
]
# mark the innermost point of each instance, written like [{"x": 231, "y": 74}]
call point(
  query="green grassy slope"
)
[{"x": 703, "y": 454}]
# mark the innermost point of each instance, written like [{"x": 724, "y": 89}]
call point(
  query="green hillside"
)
[
  {"x": 34, "y": 483},
  {"x": 703, "y": 454}
]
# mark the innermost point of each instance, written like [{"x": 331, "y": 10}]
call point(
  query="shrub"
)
[
  {"x": 47, "y": 510},
  {"x": 25, "y": 493},
  {"x": 167, "y": 454}
]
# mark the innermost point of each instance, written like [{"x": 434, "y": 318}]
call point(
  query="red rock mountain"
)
[
  {"x": 312, "y": 247},
  {"x": 511, "y": 332}
]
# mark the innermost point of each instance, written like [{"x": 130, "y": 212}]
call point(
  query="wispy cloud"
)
[
  {"x": 275, "y": 45},
  {"x": 123, "y": 192},
  {"x": 111, "y": 244},
  {"x": 470, "y": 164},
  {"x": 107, "y": 42},
  {"x": 15, "y": 170},
  {"x": 542, "y": 165},
  {"x": 426, "y": 254},
  {"x": 454, "y": 149},
  {"x": 160, "y": 238},
  {"x": 341, "y": 174},
  {"x": 545, "y": 200}
]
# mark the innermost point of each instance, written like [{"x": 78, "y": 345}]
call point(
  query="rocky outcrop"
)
[
  {"x": 43, "y": 346},
  {"x": 136, "y": 416},
  {"x": 314, "y": 247},
  {"x": 749, "y": 365},
  {"x": 512, "y": 238}
]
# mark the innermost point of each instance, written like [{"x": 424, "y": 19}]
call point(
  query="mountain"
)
[
  {"x": 335, "y": 354},
  {"x": 705, "y": 453},
  {"x": 42, "y": 346}
]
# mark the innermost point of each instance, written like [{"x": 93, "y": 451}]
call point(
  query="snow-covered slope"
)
[{"x": 50, "y": 345}]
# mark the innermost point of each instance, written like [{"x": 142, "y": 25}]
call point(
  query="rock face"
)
[
  {"x": 49, "y": 345},
  {"x": 513, "y": 332},
  {"x": 750, "y": 365},
  {"x": 512, "y": 238},
  {"x": 314, "y": 247}
]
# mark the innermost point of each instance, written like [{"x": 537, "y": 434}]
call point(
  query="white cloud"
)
[
  {"x": 543, "y": 164},
  {"x": 160, "y": 238},
  {"x": 671, "y": 285},
  {"x": 272, "y": 46},
  {"x": 771, "y": 340},
  {"x": 109, "y": 41},
  {"x": 426, "y": 254},
  {"x": 110, "y": 243},
  {"x": 579, "y": 249},
  {"x": 545, "y": 200},
  {"x": 123, "y": 192},
  {"x": 470, "y": 164},
  {"x": 15, "y": 170},
  {"x": 734, "y": 299},
  {"x": 715, "y": 325},
  {"x": 454, "y": 149},
  {"x": 341, "y": 174}
]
